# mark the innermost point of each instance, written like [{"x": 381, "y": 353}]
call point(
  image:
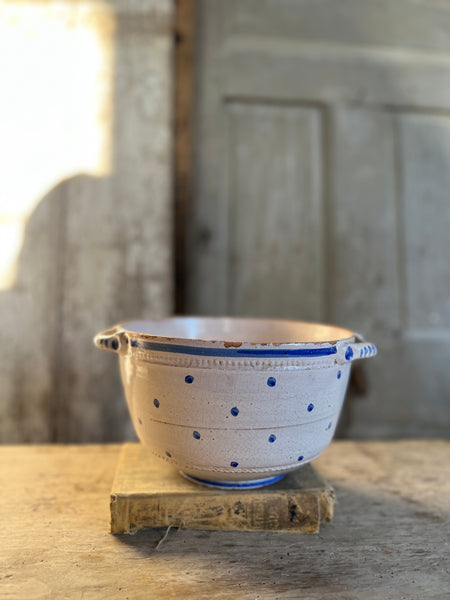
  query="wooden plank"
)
[
  {"x": 185, "y": 14},
  {"x": 408, "y": 391},
  {"x": 386, "y": 219},
  {"x": 425, "y": 154},
  {"x": 118, "y": 238},
  {"x": 364, "y": 291},
  {"x": 61, "y": 532},
  {"x": 321, "y": 72},
  {"x": 43, "y": 142},
  {"x": 207, "y": 231},
  {"x": 362, "y": 223},
  {"x": 148, "y": 493},
  {"x": 395, "y": 401},
  {"x": 29, "y": 329},
  {"x": 95, "y": 147},
  {"x": 275, "y": 196},
  {"x": 403, "y": 24}
]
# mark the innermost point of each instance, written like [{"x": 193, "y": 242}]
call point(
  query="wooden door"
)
[{"x": 322, "y": 186}]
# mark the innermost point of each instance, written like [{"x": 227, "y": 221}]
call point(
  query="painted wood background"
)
[
  {"x": 97, "y": 244},
  {"x": 320, "y": 191},
  {"x": 322, "y": 185}
]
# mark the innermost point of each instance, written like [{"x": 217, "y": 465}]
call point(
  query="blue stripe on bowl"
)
[
  {"x": 234, "y": 352},
  {"x": 235, "y": 484}
]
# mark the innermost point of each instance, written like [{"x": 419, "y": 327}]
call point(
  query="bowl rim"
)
[{"x": 335, "y": 333}]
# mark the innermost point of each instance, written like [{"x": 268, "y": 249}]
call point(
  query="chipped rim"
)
[
  {"x": 126, "y": 333},
  {"x": 344, "y": 344}
]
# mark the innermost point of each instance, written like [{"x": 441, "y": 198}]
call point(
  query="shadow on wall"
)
[
  {"x": 97, "y": 247},
  {"x": 60, "y": 389}
]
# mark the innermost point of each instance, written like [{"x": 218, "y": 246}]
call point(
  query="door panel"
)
[
  {"x": 364, "y": 272},
  {"x": 275, "y": 210},
  {"x": 425, "y": 141},
  {"x": 395, "y": 23},
  {"x": 322, "y": 186}
]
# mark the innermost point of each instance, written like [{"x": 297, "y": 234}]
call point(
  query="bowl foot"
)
[{"x": 234, "y": 485}]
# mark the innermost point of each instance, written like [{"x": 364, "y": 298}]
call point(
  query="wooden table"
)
[{"x": 389, "y": 538}]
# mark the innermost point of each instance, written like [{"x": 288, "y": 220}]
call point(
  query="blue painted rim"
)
[
  {"x": 233, "y": 352},
  {"x": 236, "y": 485}
]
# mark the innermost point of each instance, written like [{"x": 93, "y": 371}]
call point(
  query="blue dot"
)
[
  {"x": 272, "y": 438},
  {"x": 271, "y": 381},
  {"x": 140, "y": 422},
  {"x": 310, "y": 407},
  {"x": 329, "y": 425},
  {"x": 234, "y": 464},
  {"x": 168, "y": 454},
  {"x": 339, "y": 374},
  {"x": 300, "y": 458},
  {"x": 114, "y": 344},
  {"x": 106, "y": 343},
  {"x": 156, "y": 402},
  {"x": 234, "y": 411},
  {"x": 189, "y": 379},
  {"x": 196, "y": 435},
  {"x": 349, "y": 353}
]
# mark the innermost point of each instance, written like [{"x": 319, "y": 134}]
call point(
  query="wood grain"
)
[
  {"x": 184, "y": 108},
  {"x": 425, "y": 142},
  {"x": 118, "y": 247},
  {"x": 98, "y": 246},
  {"x": 388, "y": 538},
  {"x": 275, "y": 211},
  {"x": 148, "y": 493},
  {"x": 321, "y": 175}
]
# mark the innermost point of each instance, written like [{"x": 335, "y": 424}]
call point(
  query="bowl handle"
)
[
  {"x": 348, "y": 351},
  {"x": 111, "y": 339}
]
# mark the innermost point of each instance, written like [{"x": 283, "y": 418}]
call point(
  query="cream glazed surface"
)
[{"x": 234, "y": 402}]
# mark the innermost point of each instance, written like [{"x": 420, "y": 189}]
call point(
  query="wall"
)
[{"x": 85, "y": 205}]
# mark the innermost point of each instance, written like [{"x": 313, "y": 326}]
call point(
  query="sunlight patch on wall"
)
[{"x": 56, "y": 107}]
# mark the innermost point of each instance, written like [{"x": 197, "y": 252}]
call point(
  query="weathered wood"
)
[
  {"x": 27, "y": 335},
  {"x": 207, "y": 228},
  {"x": 120, "y": 266},
  {"x": 148, "y": 493},
  {"x": 425, "y": 143},
  {"x": 185, "y": 14},
  {"x": 362, "y": 222},
  {"x": 369, "y": 81},
  {"x": 323, "y": 73},
  {"x": 400, "y": 24},
  {"x": 97, "y": 113},
  {"x": 275, "y": 211},
  {"x": 388, "y": 538},
  {"x": 390, "y": 222}
]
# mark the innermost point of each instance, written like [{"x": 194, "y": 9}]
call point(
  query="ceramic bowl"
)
[{"x": 233, "y": 402}]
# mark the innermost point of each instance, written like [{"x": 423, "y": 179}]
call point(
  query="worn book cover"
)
[{"x": 148, "y": 493}]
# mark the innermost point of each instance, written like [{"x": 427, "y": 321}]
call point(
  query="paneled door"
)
[{"x": 322, "y": 186}]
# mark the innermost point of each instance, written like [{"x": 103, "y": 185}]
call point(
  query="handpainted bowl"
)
[{"x": 234, "y": 402}]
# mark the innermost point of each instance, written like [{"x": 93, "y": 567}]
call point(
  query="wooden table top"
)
[{"x": 389, "y": 538}]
